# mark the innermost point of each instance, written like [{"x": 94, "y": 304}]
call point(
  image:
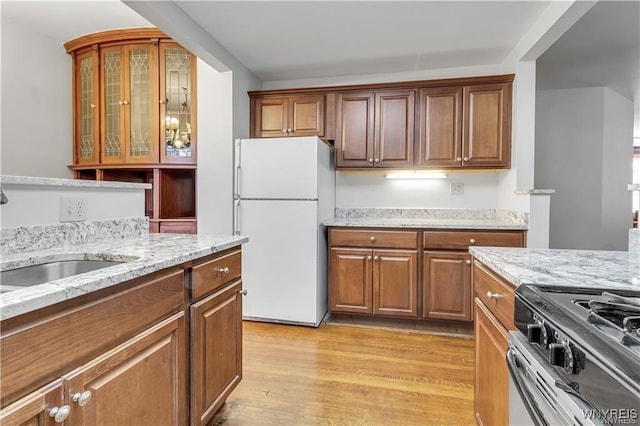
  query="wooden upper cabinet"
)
[
  {"x": 289, "y": 116},
  {"x": 375, "y": 129},
  {"x": 440, "y": 127},
  {"x": 394, "y": 133},
  {"x": 487, "y": 126},
  {"x": 134, "y": 99},
  {"x": 354, "y": 135}
]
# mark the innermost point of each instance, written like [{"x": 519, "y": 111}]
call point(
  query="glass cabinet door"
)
[
  {"x": 112, "y": 108},
  {"x": 178, "y": 104},
  {"x": 86, "y": 92}
]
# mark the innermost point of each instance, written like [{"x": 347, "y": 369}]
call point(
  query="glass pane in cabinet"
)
[
  {"x": 178, "y": 103},
  {"x": 112, "y": 104},
  {"x": 86, "y": 108},
  {"x": 139, "y": 79}
]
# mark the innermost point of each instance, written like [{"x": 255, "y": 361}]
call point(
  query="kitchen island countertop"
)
[
  {"x": 141, "y": 256},
  {"x": 572, "y": 268}
]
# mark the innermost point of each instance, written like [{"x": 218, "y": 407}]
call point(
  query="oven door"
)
[{"x": 537, "y": 394}]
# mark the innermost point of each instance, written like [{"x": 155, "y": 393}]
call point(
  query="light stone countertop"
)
[
  {"x": 143, "y": 255},
  {"x": 70, "y": 183},
  {"x": 425, "y": 223},
  {"x": 572, "y": 268}
]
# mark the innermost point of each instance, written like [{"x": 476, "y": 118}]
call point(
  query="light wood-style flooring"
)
[{"x": 348, "y": 375}]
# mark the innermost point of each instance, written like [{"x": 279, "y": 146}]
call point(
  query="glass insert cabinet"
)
[{"x": 134, "y": 109}]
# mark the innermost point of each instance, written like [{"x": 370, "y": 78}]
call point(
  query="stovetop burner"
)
[{"x": 617, "y": 312}]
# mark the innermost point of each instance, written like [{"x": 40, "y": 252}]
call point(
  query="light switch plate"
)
[
  {"x": 73, "y": 209},
  {"x": 456, "y": 188}
]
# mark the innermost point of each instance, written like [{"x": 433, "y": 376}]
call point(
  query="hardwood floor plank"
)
[{"x": 348, "y": 375}]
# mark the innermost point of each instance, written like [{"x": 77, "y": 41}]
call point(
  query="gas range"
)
[{"x": 587, "y": 342}]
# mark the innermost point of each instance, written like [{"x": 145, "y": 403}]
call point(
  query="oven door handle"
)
[{"x": 525, "y": 395}]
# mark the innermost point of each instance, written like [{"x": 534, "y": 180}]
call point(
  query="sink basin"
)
[{"x": 15, "y": 279}]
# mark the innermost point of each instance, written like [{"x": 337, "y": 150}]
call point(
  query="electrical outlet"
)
[
  {"x": 456, "y": 188},
  {"x": 73, "y": 209}
]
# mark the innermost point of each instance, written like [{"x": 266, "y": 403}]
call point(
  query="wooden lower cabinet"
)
[
  {"x": 36, "y": 408},
  {"x": 381, "y": 282},
  {"x": 491, "y": 402},
  {"x": 216, "y": 351},
  {"x": 446, "y": 291},
  {"x": 141, "y": 382}
]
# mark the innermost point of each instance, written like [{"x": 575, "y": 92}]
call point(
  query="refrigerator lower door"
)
[{"x": 280, "y": 262}]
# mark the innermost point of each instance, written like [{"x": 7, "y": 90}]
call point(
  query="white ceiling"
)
[{"x": 292, "y": 40}]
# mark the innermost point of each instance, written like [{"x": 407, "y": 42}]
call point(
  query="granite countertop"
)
[
  {"x": 430, "y": 218},
  {"x": 142, "y": 256},
  {"x": 572, "y": 268}
]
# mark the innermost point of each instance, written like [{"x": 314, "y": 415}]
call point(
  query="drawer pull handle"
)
[
  {"x": 60, "y": 414},
  {"x": 244, "y": 292},
  {"x": 82, "y": 398},
  {"x": 376, "y": 258},
  {"x": 494, "y": 296},
  {"x": 224, "y": 270},
  {"x": 468, "y": 262},
  {"x": 472, "y": 241},
  {"x": 372, "y": 239}
]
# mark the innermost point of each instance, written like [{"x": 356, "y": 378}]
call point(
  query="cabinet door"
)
[
  {"x": 354, "y": 123},
  {"x": 35, "y": 409},
  {"x": 178, "y": 105},
  {"x": 395, "y": 283},
  {"x": 440, "y": 127},
  {"x": 112, "y": 108},
  {"x": 486, "y": 131},
  {"x": 491, "y": 375},
  {"x": 446, "y": 287},
  {"x": 141, "y": 382},
  {"x": 216, "y": 351},
  {"x": 394, "y": 113},
  {"x": 141, "y": 102},
  {"x": 306, "y": 116},
  {"x": 86, "y": 108},
  {"x": 271, "y": 117},
  {"x": 350, "y": 280}
]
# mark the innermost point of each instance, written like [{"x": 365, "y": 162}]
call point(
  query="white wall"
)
[
  {"x": 36, "y": 109},
  {"x": 582, "y": 136}
]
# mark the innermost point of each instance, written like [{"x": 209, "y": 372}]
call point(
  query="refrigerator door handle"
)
[
  {"x": 236, "y": 180},
  {"x": 236, "y": 210}
]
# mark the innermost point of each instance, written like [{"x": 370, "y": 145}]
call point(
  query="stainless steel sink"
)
[{"x": 15, "y": 279}]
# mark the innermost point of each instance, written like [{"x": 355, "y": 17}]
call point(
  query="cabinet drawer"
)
[
  {"x": 216, "y": 272},
  {"x": 186, "y": 227},
  {"x": 461, "y": 240},
  {"x": 373, "y": 239},
  {"x": 495, "y": 294}
]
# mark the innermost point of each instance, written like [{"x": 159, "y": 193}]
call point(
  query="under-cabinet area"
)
[
  {"x": 395, "y": 272},
  {"x": 161, "y": 349}
]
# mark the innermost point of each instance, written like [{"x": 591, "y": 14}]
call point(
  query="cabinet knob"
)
[
  {"x": 82, "y": 398},
  {"x": 121, "y": 102},
  {"x": 161, "y": 101},
  {"x": 468, "y": 262},
  {"x": 93, "y": 105},
  {"x": 377, "y": 160},
  {"x": 370, "y": 160},
  {"x": 289, "y": 130},
  {"x": 372, "y": 239},
  {"x": 126, "y": 102},
  {"x": 466, "y": 158},
  {"x": 369, "y": 258},
  {"x": 376, "y": 258},
  {"x": 472, "y": 241},
  {"x": 60, "y": 414},
  {"x": 244, "y": 292},
  {"x": 224, "y": 270},
  {"x": 494, "y": 296},
  {"x": 459, "y": 159}
]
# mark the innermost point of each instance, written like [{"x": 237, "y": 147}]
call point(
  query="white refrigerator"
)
[{"x": 284, "y": 188}]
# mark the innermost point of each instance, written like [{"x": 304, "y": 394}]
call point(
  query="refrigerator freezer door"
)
[
  {"x": 278, "y": 168},
  {"x": 280, "y": 262}
]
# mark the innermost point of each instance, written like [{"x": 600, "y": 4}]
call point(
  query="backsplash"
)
[
  {"x": 508, "y": 216},
  {"x": 40, "y": 237}
]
